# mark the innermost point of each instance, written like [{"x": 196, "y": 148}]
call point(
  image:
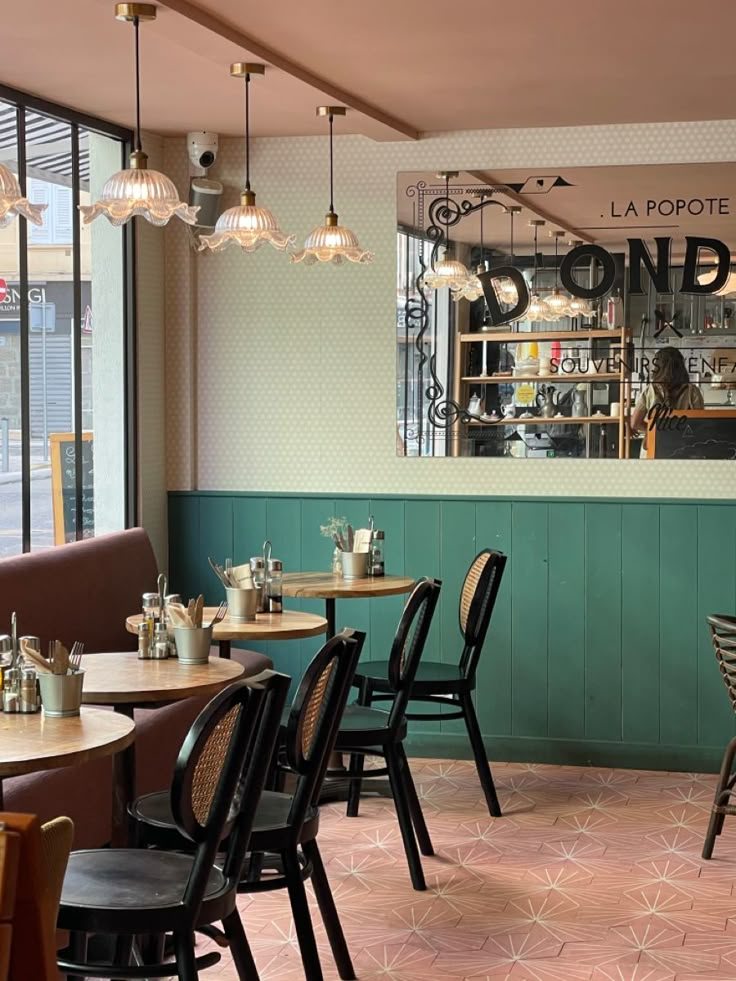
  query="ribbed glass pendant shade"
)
[
  {"x": 12, "y": 203},
  {"x": 248, "y": 226},
  {"x": 139, "y": 191},
  {"x": 448, "y": 273},
  {"x": 331, "y": 243},
  {"x": 470, "y": 290}
]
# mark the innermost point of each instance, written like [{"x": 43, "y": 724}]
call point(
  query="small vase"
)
[{"x": 337, "y": 562}]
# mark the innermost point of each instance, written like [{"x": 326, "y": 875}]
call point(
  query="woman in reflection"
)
[{"x": 669, "y": 390}]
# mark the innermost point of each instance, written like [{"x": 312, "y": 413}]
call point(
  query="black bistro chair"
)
[
  {"x": 367, "y": 731},
  {"x": 128, "y": 892},
  {"x": 285, "y": 822},
  {"x": 451, "y": 684},
  {"x": 723, "y": 635}
]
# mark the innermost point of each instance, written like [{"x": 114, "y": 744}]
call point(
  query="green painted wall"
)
[{"x": 598, "y": 650}]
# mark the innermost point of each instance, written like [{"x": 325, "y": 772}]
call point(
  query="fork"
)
[
  {"x": 75, "y": 658},
  {"x": 220, "y": 615}
]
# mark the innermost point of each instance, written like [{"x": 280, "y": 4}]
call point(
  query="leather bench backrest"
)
[{"x": 81, "y": 591}]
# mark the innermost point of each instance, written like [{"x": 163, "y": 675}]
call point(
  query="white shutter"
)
[
  {"x": 39, "y": 192},
  {"x": 62, "y": 217}
]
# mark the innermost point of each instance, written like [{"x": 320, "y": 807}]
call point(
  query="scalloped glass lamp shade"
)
[
  {"x": 12, "y": 203},
  {"x": 578, "y": 307},
  {"x": 557, "y": 305},
  {"x": 139, "y": 191},
  {"x": 470, "y": 290},
  {"x": 331, "y": 243},
  {"x": 248, "y": 226},
  {"x": 448, "y": 273},
  {"x": 536, "y": 310}
]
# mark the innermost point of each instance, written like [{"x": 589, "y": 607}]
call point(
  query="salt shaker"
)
[
  {"x": 144, "y": 641},
  {"x": 11, "y": 690},
  {"x": 274, "y": 586},
  {"x": 377, "y": 565},
  {"x": 160, "y": 643},
  {"x": 28, "y": 699},
  {"x": 258, "y": 569}
]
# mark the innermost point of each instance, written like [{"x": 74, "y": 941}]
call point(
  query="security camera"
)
[{"x": 202, "y": 149}]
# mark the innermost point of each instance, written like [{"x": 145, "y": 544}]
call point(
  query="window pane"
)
[
  {"x": 51, "y": 322},
  {"x": 11, "y": 540}
]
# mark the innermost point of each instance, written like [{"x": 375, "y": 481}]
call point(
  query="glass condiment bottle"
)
[
  {"x": 151, "y": 610},
  {"x": 377, "y": 558},
  {"x": 28, "y": 697},
  {"x": 274, "y": 585},
  {"x": 160, "y": 649},
  {"x": 11, "y": 690},
  {"x": 258, "y": 571}
]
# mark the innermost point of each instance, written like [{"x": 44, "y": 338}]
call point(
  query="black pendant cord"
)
[
  {"x": 557, "y": 260},
  {"x": 536, "y": 255},
  {"x": 447, "y": 218},
  {"x": 482, "y": 250},
  {"x": 511, "y": 239},
  {"x": 136, "y": 26},
  {"x": 332, "y": 168},
  {"x": 247, "y": 131}
]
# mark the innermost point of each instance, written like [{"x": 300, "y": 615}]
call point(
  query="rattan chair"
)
[
  {"x": 368, "y": 731},
  {"x": 285, "y": 823},
  {"x": 446, "y": 684},
  {"x": 218, "y": 779},
  {"x": 723, "y": 635}
]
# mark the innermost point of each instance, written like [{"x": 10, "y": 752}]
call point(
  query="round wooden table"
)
[
  {"x": 126, "y": 683},
  {"x": 30, "y": 743},
  {"x": 329, "y": 587},
  {"x": 289, "y": 625},
  {"x": 326, "y": 586}
]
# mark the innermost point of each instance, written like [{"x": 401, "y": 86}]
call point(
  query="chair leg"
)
[
  {"x": 239, "y": 947},
  {"x": 715, "y": 824},
  {"x": 78, "y": 951},
  {"x": 327, "y": 908},
  {"x": 302, "y": 917},
  {"x": 479, "y": 752},
  {"x": 417, "y": 817},
  {"x": 357, "y": 760},
  {"x": 403, "y": 813},
  {"x": 186, "y": 965}
]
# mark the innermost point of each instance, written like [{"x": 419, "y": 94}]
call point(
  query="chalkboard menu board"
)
[
  {"x": 706, "y": 434},
  {"x": 64, "y": 487}
]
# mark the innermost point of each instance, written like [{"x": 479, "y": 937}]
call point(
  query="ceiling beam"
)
[
  {"x": 524, "y": 201},
  {"x": 232, "y": 33}
]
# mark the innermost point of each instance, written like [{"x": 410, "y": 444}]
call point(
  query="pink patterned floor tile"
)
[{"x": 592, "y": 874}]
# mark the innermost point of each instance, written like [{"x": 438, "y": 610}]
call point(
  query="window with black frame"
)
[{"x": 66, "y": 334}]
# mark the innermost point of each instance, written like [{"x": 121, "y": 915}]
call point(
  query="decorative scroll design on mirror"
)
[{"x": 443, "y": 212}]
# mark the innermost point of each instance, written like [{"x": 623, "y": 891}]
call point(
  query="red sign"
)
[{"x": 3, "y": 290}]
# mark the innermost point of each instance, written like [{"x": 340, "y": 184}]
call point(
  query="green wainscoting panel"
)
[
  {"x": 716, "y": 594},
  {"x": 679, "y": 627},
  {"x": 565, "y": 693},
  {"x": 640, "y": 624},
  {"x": 598, "y": 650},
  {"x": 603, "y": 621},
  {"x": 529, "y": 597}
]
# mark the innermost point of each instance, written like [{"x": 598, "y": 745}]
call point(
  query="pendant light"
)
[
  {"x": 471, "y": 289},
  {"x": 557, "y": 303},
  {"x": 138, "y": 190},
  {"x": 507, "y": 292},
  {"x": 248, "y": 225},
  {"x": 448, "y": 273},
  {"x": 331, "y": 242},
  {"x": 12, "y": 202},
  {"x": 537, "y": 308}
]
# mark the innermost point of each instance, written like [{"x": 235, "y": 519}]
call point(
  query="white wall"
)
[{"x": 282, "y": 377}]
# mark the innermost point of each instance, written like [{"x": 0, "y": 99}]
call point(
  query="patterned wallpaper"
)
[{"x": 282, "y": 377}]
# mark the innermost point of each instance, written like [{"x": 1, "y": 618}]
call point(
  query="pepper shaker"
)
[
  {"x": 274, "y": 586},
  {"x": 11, "y": 690},
  {"x": 144, "y": 641},
  {"x": 28, "y": 699}
]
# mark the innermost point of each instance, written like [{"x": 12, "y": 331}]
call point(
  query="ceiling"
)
[
  {"x": 605, "y": 205},
  {"x": 405, "y": 68}
]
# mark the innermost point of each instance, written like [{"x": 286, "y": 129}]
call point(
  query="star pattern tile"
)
[{"x": 600, "y": 879}]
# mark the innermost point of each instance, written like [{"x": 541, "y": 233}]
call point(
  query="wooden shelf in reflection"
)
[
  {"x": 536, "y": 421},
  {"x": 522, "y": 337},
  {"x": 558, "y": 376}
]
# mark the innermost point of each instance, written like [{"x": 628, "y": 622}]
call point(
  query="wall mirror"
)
[{"x": 582, "y": 312}]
